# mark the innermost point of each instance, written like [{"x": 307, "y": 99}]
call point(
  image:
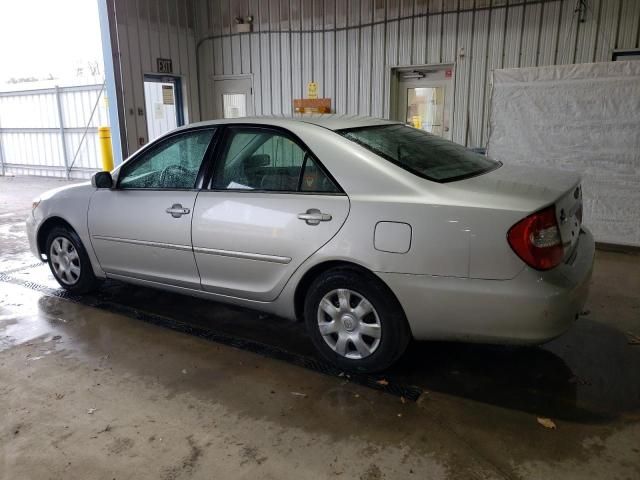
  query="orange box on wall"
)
[{"x": 312, "y": 105}]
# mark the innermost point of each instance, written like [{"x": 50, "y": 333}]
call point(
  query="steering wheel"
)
[{"x": 176, "y": 170}]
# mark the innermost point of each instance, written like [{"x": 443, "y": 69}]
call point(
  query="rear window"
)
[{"x": 424, "y": 154}]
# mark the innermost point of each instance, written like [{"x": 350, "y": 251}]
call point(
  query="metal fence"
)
[{"x": 51, "y": 131}]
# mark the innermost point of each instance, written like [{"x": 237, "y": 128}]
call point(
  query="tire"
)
[
  {"x": 339, "y": 332},
  {"x": 73, "y": 271}
]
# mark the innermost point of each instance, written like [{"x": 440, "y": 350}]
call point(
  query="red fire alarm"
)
[{"x": 448, "y": 73}]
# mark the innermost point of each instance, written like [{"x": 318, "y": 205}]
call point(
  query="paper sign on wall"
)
[{"x": 167, "y": 95}]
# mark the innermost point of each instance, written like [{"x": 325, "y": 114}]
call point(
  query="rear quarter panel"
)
[{"x": 447, "y": 240}]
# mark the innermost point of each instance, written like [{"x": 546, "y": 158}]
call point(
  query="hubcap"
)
[
  {"x": 349, "y": 324},
  {"x": 65, "y": 261}
]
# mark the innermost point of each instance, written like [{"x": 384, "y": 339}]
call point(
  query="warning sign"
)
[{"x": 312, "y": 90}]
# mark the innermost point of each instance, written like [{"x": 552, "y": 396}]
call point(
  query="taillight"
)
[{"x": 536, "y": 239}]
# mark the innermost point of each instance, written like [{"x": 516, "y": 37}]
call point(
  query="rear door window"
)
[{"x": 268, "y": 160}]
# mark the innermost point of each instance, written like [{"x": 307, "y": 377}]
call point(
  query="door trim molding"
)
[
  {"x": 207, "y": 251},
  {"x": 147, "y": 243},
  {"x": 245, "y": 255}
]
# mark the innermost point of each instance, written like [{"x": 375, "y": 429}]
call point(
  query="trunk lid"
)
[{"x": 529, "y": 189}]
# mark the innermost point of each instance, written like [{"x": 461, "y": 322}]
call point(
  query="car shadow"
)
[
  {"x": 528, "y": 379},
  {"x": 558, "y": 380}
]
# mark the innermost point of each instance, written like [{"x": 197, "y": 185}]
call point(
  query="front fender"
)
[{"x": 71, "y": 205}]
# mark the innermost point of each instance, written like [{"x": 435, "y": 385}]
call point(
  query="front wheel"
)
[
  {"x": 69, "y": 262},
  {"x": 354, "y": 321}
]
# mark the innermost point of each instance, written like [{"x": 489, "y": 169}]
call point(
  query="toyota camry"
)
[{"x": 370, "y": 231}]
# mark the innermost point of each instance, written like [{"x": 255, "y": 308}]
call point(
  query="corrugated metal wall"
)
[
  {"x": 51, "y": 131},
  {"x": 147, "y": 30},
  {"x": 347, "y": 47}
]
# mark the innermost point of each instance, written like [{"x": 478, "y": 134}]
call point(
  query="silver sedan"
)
[{"x": 371, "y": 231}]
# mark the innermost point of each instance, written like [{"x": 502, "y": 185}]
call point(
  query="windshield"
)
[{"x": 421, "y": 153}]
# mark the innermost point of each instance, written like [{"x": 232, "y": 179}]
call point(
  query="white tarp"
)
[{"x": 584, "y": 118}]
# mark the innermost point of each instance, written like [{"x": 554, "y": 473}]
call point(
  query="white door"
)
[
  {"x": 163, "y": 105},
  {"x": 142, "y": 227},
  {"x": 233, "y": 97},
  {"x": 271, "y": 207}
]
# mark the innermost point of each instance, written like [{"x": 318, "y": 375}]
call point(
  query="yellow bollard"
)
[{"x": 106, "y": 151}]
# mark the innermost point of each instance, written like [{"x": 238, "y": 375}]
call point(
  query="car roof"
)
[{"x": 329, "y": 121}]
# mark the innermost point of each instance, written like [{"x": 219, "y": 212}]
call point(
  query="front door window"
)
[{"x": 173, "y": 165}]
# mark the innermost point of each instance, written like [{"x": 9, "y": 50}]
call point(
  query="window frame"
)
[
  {"x": 156, "y": 145},
  {"x": 225, "y": 136}
]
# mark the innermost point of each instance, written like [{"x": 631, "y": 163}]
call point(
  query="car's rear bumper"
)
[{"x": 531, "y": 308}]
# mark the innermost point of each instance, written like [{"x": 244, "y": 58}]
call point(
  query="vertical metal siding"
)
[
  {"x": 462, "y": 46},
  {"x": 419, "y": 43},
  {"x": 567, "y": 34},
  {"x": 329, "y": 87},
  {"x": 448, "y": 37},
  {"x": 353, "y": 67},
  {"x": 628, "y": 31},
  {"x": 364, "y": 97},
  {"x": 588, "y": 34},
  {"x": 149, "y": 29},
  {"x": 549, "y": 33},
  {"x": 495, "y": 48},
  {"x": 608, "y": 29},
  {"x": 340, "y": 103},
  {"x": 347, "y": 47},
  {"x": 513, "y": 34},
  {"x": 530, "y": 35},
  {"x": 478, "y": 76},
  {"x": 434, "y": 32}
]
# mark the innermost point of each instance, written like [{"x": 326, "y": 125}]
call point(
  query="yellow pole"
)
[{"x": 106, "y": 152}]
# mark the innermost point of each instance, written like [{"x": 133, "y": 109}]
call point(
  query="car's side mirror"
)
[{"x": 102, "y": 180}]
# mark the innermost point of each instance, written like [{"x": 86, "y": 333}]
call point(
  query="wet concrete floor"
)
[{"x": 94, "y": 387}]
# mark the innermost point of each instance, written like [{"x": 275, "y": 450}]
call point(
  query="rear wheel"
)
[
  {"x": 69, "y": 262},
  {"x": 354, "y": 321}
]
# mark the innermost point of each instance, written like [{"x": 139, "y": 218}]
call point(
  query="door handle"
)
[
  {"x": 313, "y": 216},
  {"x": 176, "y": 210}
]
